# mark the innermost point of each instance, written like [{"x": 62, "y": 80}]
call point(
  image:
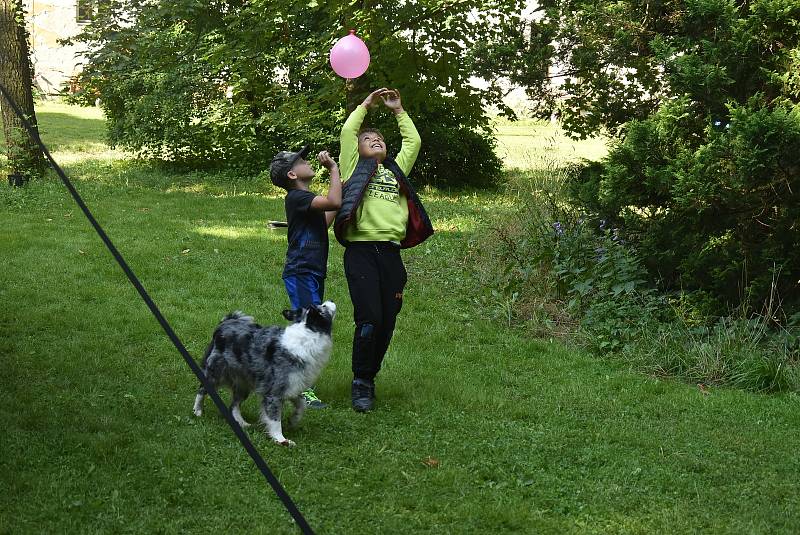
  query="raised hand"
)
[
  {"x": 373, "y": 98},
  {"x": 326, "y": 160},
  {"x": 391, "y": 97}
]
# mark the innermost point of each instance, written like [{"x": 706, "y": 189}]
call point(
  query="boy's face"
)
[
  {"x": 301, "y": 170},
  {"x": 371, "y": 145}
]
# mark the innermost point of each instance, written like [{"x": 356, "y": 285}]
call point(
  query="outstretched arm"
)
[
  {"x": 333, "y": 201},
  {"x": 348, "y": 139},
  {"x": 411, "y": 140}
]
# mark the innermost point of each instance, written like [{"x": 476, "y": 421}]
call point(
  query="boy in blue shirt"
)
[{"x": 308, "y": 216}]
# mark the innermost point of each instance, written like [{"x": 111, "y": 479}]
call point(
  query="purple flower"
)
[
  {"x": 558, "y": 228},
  {"x": 602, "y": 224}
]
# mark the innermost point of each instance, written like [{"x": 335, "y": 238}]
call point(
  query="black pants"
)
[{"x": 376, "y": 277}]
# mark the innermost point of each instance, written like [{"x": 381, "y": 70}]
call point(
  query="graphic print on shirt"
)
[
  {"x": 384, "y": 186},
  {"x": 307, "y": 240}
]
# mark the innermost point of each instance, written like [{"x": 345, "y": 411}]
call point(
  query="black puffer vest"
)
[{"x": 419, "y": 224}]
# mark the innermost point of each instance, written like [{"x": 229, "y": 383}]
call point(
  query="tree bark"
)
[{"x": 16, "y": 75}]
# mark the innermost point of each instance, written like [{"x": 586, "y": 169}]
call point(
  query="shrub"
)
[
  {"x": 713, "y": 208},
  {"x": 549, "y": 252},
  {"x": 206, "y": 84},
  {"x": 559, "y": 270},
  {"x": 453, "y": 153}
]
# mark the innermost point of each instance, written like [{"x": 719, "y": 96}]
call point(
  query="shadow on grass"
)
[{"x": 151, "y": 175}]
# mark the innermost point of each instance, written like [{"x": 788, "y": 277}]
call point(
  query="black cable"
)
[{"x": 210, "y": 390}]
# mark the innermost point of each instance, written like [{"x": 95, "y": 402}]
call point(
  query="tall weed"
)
[
  {"x": 560, "y": 271},
  {"x": 739, "y": 352}
]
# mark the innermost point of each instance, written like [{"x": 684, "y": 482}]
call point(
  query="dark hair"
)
[
  {"x": 369, "y": 131},
  {"x": 281, "y": 182}
]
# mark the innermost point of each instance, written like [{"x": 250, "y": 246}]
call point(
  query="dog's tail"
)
[{"x": 237, "y": 315}]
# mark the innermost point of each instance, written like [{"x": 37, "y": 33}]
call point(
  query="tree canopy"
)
[
  {"x": 702, "y": 96},
  {"x": 600, "y": 65},
  {"x": 232, "y": 82}
]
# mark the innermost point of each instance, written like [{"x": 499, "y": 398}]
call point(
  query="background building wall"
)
[{"x": 53, "y": 63}]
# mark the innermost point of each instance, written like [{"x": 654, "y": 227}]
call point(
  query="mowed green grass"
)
[
  {"x": 535, "y": 145},
  {"x": 478, "y": 429}
]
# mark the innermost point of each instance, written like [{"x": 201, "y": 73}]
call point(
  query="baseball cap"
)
[{"x": 282, "y": 163}]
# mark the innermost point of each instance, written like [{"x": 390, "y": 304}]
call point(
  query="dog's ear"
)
[{"x": 291, "y": 315}]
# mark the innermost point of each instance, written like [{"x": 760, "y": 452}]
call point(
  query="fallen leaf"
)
[
  {"x": 703, "y": 389},
  {"x": 185, "y": 251},
  {"x": 430, "y": 462},
  {"x": 81, "y": 252}
]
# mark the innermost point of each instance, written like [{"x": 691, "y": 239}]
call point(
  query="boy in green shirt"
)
[{"x": 380, "y": 214}]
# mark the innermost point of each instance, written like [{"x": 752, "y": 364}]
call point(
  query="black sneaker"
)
[
  {"x": 362, "y": 395},
  {"x": 312, "y": 401}
]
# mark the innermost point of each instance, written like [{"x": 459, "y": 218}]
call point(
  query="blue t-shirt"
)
[{"x": 307, "y": 235}]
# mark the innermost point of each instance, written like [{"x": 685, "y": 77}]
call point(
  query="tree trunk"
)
[{"x": 24, "y": 155}]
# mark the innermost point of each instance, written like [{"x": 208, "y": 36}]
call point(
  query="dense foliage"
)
[
  {"x": 551, "y": 268},
  {"x": 231, "y": 82},
  {"x": 719, "y": 215},
  {"x": 703, "y": 97}
]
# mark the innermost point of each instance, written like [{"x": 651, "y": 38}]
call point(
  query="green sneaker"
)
[{"x": 312, "y": 401}]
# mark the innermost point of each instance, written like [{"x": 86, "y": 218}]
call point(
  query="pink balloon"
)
[{"x": 349, "y": 56}]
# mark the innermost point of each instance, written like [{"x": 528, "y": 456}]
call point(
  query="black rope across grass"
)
[{"x": 210, "y": 390}]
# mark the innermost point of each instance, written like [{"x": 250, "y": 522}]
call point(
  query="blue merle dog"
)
[{"x": 279, "y": 363}]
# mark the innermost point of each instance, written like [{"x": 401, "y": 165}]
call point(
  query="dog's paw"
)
[
  {"x": 286, "y": 442},
  {"x": 198, "y": 412}
]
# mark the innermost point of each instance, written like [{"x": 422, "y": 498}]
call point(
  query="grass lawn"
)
[{"x": 478, "y": 429}]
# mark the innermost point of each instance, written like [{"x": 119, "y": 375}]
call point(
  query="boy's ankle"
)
[
  {"x": 362, "y": 395},
  {"x": 312, "y": 401}
]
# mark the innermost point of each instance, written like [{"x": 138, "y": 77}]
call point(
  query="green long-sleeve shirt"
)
[{"x": 383, "y": 212}]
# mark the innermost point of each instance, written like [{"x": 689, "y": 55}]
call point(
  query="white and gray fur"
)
[{"x": 279, "y": 363}]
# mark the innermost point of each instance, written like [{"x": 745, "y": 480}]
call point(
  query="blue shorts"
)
[{"x": 305, "y": 289}]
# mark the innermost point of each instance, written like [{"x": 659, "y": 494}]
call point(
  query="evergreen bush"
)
[{"x": 714, "y": 209}]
